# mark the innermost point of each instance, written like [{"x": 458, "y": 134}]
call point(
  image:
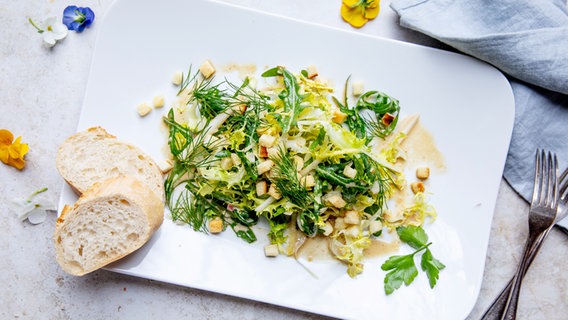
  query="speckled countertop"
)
[{"x": 41, "y": 92}]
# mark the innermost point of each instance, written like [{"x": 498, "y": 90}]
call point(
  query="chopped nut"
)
[
  {"x": 352, "y": 217},
  {"x": 358, "y": 88},
  {"x": 417, "y": 187},
  {"x": 143, "y": 109},
  {"x": 273, "y": 192},
  {"x": 158, "y": 101},
  {"x": 216, "y": 225},
  {"x": 177, "y": 78},
  {"x": 271, "y": 250},
  {"x": 422, "y": 173},
  {"x": 261, "y": 188},
  {"x": 207, "y": 69}
]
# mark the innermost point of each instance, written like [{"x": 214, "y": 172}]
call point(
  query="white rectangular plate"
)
[{"x": 465, "y": 104}]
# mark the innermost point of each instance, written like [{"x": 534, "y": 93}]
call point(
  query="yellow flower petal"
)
[
  {"x": 17, "y": 163},
  {"x": 4, "y": 155},
  {"x": 354, "y": 16},
  {"x": 374, "y": 4},
  {"x": 6, "y": 137},
  {"x": 352, "y": 3},
  {"x": 372, "y": 13},
  {"x": 12, "y": 153}
]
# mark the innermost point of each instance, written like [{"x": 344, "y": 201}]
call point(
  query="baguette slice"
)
[
  {"x": 109, "y": 221},
  {"x": 95, "y": 155}
]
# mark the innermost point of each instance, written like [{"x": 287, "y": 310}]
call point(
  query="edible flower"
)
[
  {"x": 51, "y": 30},
  {"x": 12, "y": 152},
  {"x": 359, "y": 12},
  {"x": 34, "y": 208},
  {"x": 78, "y": 18}
]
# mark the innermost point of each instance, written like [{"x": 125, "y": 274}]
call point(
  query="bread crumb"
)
[
  {"x": 264, "y": 166},
  {"x": 143, "y": 109},
  {"x": 273, "y": 192},
  {"x": 271, "y": 250},
  {"x": 338, "y": 116},
  {"x": 177, "y": 78},
  {"x": 358, "y": 88},
  {"x": 216, "y": 225},
  {"x": 351, "y": 217},
  {"x": 312, "y": 72},
  {"x": 417, "y": 187},
  {"x": 158, "y": 101},
  {"x": 422, "y": 173},
  {"x": 349, "y": 172},
  {"x": 261, "y": 188},
  {"x": 207, "y": 69}
]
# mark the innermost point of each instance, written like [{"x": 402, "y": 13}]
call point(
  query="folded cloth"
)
[{"x": 528, "y": 41}]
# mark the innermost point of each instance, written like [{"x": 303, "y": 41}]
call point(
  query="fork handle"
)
[
  {"x": 496, "y": 309},
  {"x": 510, "y": 312}
]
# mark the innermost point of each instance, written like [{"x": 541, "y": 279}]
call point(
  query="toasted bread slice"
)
[
  {"x": 109, "y": 221},
  {"x": 95, "y": 155}
]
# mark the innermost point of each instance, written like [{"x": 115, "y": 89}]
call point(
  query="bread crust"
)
[
  {"x": 126, "y": 190},
  {"x": 94, "y": 155}
]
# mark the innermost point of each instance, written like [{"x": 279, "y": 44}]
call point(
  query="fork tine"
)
[
  {"x": 563, "y": 184},
  {"x": 552, "y": 195},
  {"x": 537, "y": 174}
]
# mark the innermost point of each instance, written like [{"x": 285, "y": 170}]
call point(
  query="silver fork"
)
[
  {"x": 542, "y": 214},
  {"x": 496, "y": 309}
]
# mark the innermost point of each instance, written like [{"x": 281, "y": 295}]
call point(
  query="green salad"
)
[{"x": 294, "y": 155}]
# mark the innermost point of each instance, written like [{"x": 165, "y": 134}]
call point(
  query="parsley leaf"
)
[
  {"x": 415, "y": 236},
  {"x": 403, "y": 270},
  {"x": 431, "y": 266}
]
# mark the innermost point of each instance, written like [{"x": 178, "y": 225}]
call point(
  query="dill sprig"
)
[
  {"x": 373, "y": 172},
  {"x": 191, "y": 149},
  {"x": 211, "y": 99},
  {"x": 187, "y": 79},
  {"x": 248, "y": 104},
  {"x": 287, "y": 180}
]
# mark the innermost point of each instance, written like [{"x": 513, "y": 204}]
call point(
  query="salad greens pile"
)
[{"x": 306, "y": 162}]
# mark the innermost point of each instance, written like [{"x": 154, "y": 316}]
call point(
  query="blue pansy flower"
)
[{"x": 78, "y": 18}]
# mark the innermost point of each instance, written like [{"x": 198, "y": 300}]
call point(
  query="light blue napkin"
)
[{"x": 528, "y": 41}]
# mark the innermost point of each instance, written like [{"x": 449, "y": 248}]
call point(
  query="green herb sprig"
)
[{"x": 402, "y": 268}]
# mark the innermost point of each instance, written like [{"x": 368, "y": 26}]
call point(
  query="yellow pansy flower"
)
[
  {"x": 358, "y": 12},
  {"x": 12, "y": 152}
]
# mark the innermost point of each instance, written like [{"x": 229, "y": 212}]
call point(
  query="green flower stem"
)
[
  {"x": 37, "y": 191},
  {"x": 39, "y": 30}
]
